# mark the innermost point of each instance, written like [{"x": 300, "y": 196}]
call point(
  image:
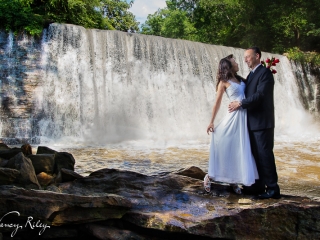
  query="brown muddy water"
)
[{"x": 298, "y": 163}]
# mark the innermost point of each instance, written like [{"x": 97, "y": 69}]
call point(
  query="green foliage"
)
[
  {"x": 169, "y": 23},
  {"x": 274, "y": 26},
  {"x": 32, "y": 15},
  {"x": 303, "y": 57},
  {"x": 154, "y": 23},
  {"x": 177, "y": 25},
  {"x": 218, "y": 21},
  {"x": 17, "y": 14},
  {"x": 116, "y": 14}
]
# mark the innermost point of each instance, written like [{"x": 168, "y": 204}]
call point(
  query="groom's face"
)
[{"x": 251, "y": 58}]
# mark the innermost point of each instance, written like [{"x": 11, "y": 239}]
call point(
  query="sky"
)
[{"x": 141, "y": 8}]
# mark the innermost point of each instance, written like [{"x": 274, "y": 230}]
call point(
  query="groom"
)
[{"x": 260, "y": 121}]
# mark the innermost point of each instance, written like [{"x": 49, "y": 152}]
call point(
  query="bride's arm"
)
[{"x": 216, "y": 105}]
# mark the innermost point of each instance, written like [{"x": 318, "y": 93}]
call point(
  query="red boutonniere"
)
[{"x": 269, "y": 63}]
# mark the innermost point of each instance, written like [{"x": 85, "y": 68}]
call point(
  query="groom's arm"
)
[{"x": 265, "y": 86}]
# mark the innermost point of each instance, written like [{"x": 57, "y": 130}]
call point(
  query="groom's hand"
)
[{"x": 234, "y": 106}]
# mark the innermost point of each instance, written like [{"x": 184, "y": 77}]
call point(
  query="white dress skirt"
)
[{"x": 231, "y": 160}]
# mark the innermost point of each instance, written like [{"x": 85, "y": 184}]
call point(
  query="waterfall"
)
[{"x": 93, "y": 86}]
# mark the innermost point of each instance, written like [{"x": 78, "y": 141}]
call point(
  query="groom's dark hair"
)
[{"x": 256, "y": 50}]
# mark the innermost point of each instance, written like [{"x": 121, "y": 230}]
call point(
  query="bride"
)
[{"x": 230, "y": 159}]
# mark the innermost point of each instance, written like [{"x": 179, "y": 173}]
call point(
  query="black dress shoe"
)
[
  {"x": 270, "y": 193},
  {"x": 253, "y": 190}
]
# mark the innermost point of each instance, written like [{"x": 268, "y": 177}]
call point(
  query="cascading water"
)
[
  {"x": 110, "y": 86},
  {"x": 97, "y": 87}
]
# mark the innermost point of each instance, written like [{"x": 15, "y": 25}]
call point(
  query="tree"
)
[
  {"x": 32, "y": 15},
  {"x": 17, "y": 14},
  {"x": 218, "y": 22},
  {"x": 272, "y": 25},
  {"x": 154, "y": 23},
  {"x": 170, "y": 22},
  {"x": 116, "y": 14}
]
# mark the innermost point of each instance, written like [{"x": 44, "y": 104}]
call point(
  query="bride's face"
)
[{"x": 235, "y": 67}]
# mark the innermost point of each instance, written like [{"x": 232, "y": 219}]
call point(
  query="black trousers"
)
[{"x": 262, "y": 143}]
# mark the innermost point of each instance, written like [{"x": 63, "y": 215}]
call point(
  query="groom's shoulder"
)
[{"x": 263, "y": 70}]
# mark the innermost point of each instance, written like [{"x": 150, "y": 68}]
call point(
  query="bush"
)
[{"x": 303, "y": 57}]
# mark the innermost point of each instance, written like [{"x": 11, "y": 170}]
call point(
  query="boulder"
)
[
  {"x": 24, "y": 165},
  {"x": 112, "y": 233},
  {"x": 61, "y": 159},
  {"x": 3, "y": 162},
  {"x": 116, "y": 204},
  {"x": 68, "y": 175},
  {"x": 4, "y": 146},
  {"x": 26, "y": 149},
  {"x": 44, "y": 179},
  {"x": 9, "y": 153},
  {"x": 60, "y": 233},
  {"x": 177, "y": 204},
  {"x": 192, "y": 171},
  {"x": 8, "y": 176},
  {"x": 43, "y": 163},
  {"x": 45, "y": 150},
  {"x": 59, "y": 209},
  {"x": 64, "y": 160}
]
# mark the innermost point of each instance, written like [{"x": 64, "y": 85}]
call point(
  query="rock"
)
[
  {"x": 62, "y": 159},
  {"x": 53, "y": 188},
  {"x": 177, "y": 204},
  {"x": 27, "y": 174},
  {"x": 3, "y": 146},
  {"x": 68, "y": 175},
  {"x": 62, "y": 209},
  {"x": 60, "y": 233},
  {"x": 26, "y": 149},
  {"x": 44, "y": 179},
  {"x": 58, "y": 178},
  {"x": 8, "y": 176},
  {"x": 244, "y": 201},
  {"x": 43, "y": 163},
  {"x": 45, "y": 150},
  {"x": 9, "y": 153},
  {"x": 174, "y": 205},
  {"x": 112, "y": 233},
  {"x": 193, "y": 172},
  {"x": 3, "y": 162}
]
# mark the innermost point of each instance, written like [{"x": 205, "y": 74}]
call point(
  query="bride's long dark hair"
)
[{"x": 225, "y": 71}]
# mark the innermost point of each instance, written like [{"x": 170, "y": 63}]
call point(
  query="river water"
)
[{"x": 298, "y": 162}]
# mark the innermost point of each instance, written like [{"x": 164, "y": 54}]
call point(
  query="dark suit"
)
[{"x": 260, "y": 119}]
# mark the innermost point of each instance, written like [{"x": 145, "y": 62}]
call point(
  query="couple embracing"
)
[{"x": 241, "y": 150}]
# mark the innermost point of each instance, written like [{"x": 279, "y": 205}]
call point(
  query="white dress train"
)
[{"x": 231, "y": 160}]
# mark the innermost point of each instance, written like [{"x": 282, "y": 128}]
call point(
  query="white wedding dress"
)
[{"x": 230, "y": 159}]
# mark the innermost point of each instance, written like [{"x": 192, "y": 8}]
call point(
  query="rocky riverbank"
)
[{"x": 43, "y": 198}]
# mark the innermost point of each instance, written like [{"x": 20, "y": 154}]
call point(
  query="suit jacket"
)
[{"x": 259, "y": 99}]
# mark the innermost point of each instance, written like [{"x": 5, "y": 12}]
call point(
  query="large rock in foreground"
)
[
  {"x": 114, "y": 204},
  {"x": 24, "y": 165}
]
